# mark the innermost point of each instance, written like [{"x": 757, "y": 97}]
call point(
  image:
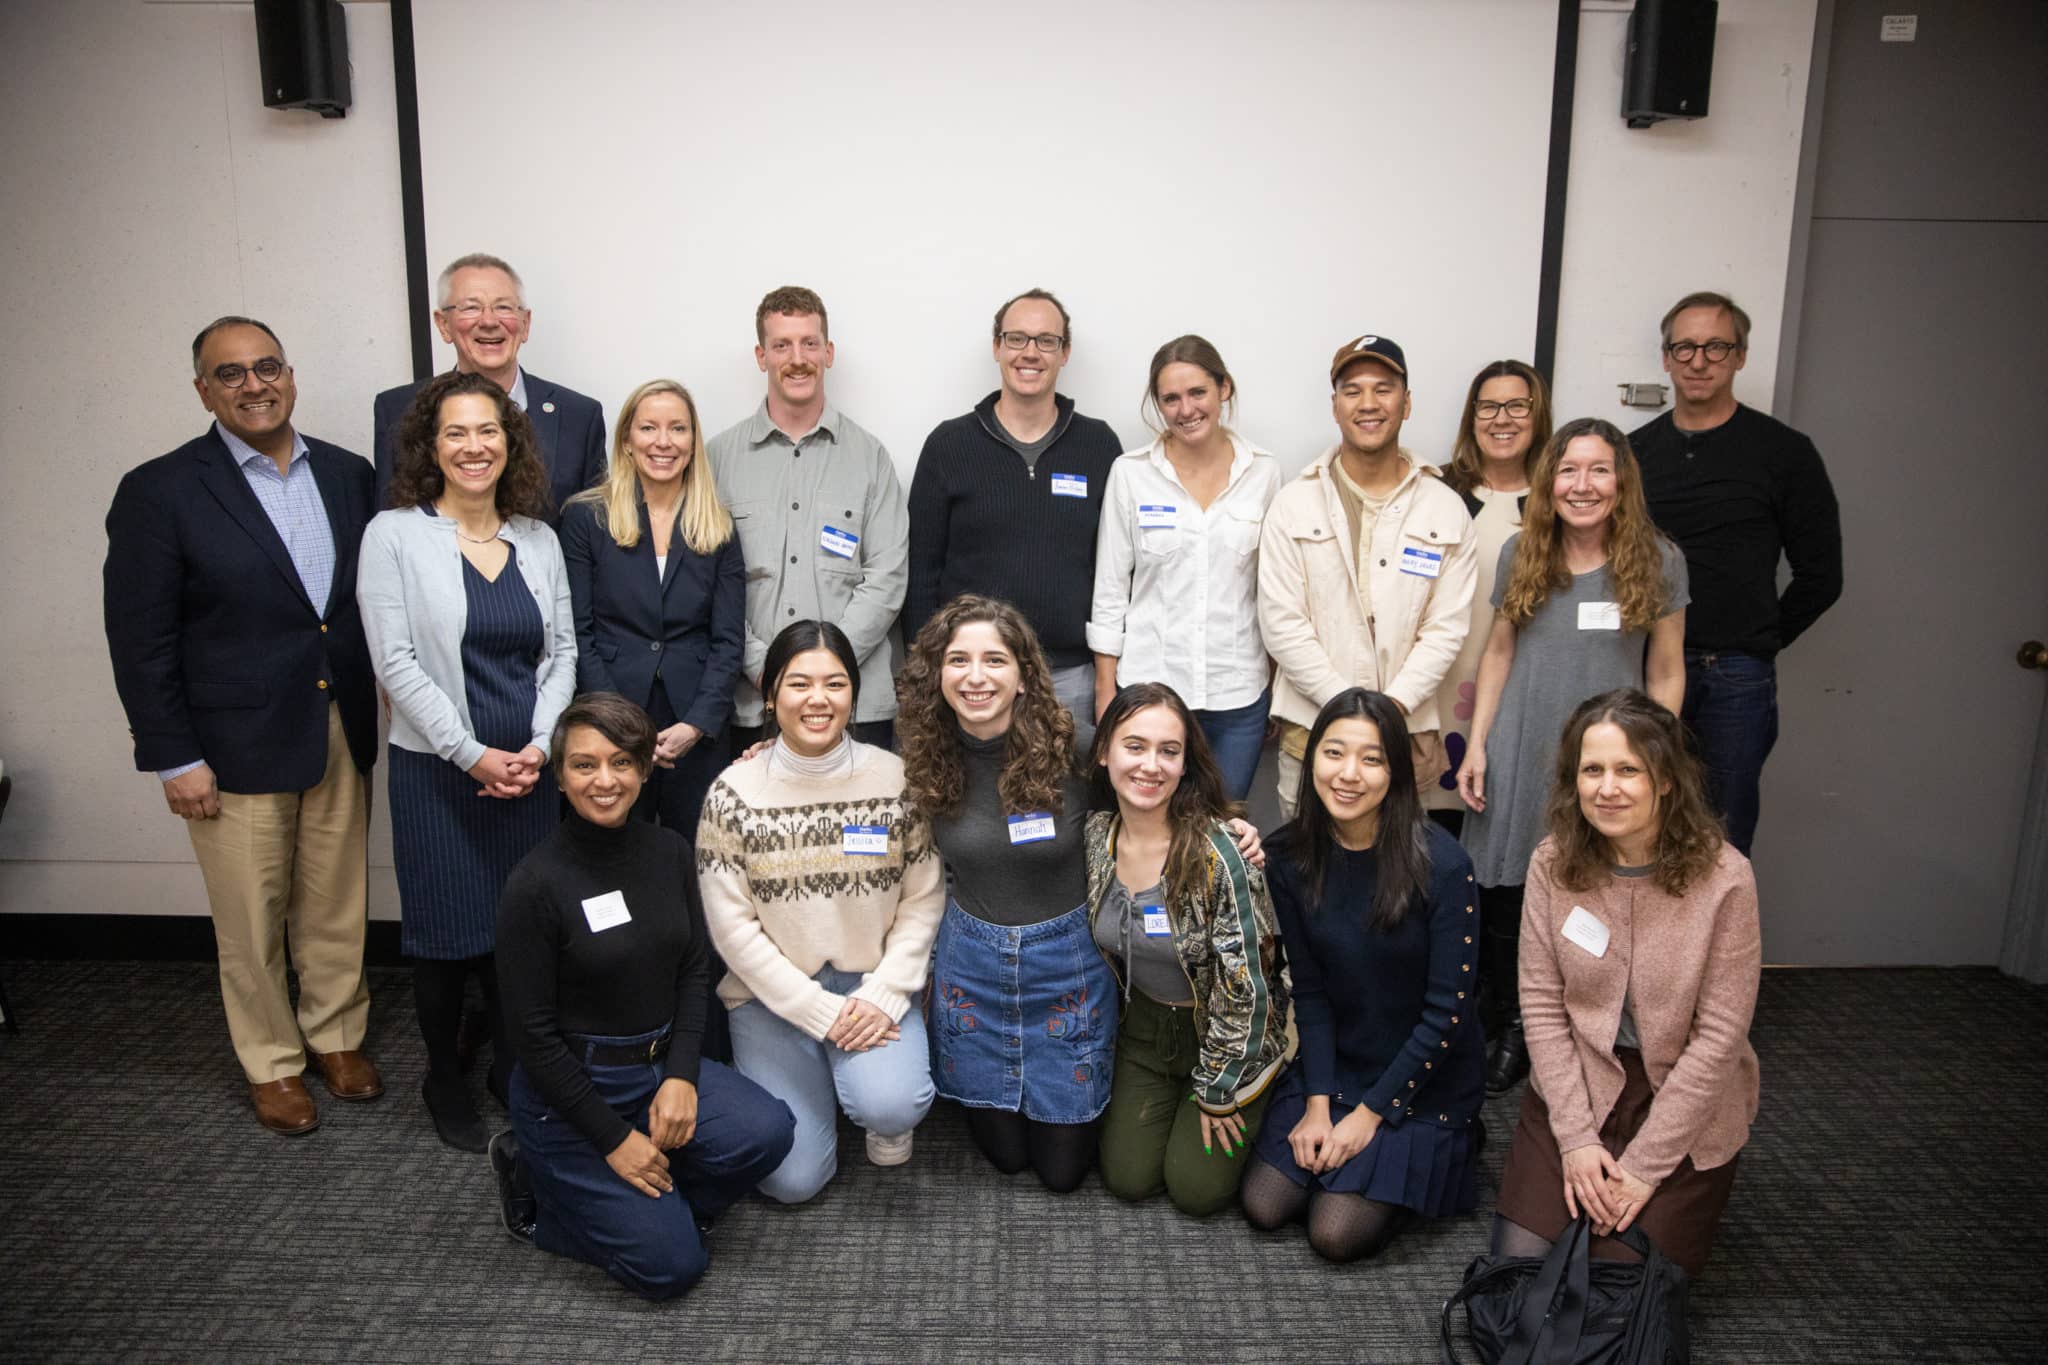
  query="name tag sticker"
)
[
  {"x": 1582, "y": 928},
  {"x": 1031, "y": 829},
  {"x": 1070, "y": 485},
  {"x": 834, "y": 541},
  {"x": 1420, "y": 562},
  {"x": 1599, "y": 616},
  {"x": 866, "y": 840},
  {"x": 1157, "y": 925},
  {"x": 606, "y": 912},
  {"x": 1152, "y": 515}
]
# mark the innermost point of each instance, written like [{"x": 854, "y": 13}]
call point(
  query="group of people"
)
[{"x": 750, "y": 791}]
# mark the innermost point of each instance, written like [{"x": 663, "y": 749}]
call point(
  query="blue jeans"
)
[
  {"x": 1236, "y": 737},
  {"x": 885, "y": 1090},
  {"x": 587, "y": 1212},
  {"x": 1731, "y": 707}
]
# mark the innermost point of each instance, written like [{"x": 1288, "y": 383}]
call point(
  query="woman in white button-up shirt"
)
[{"x": 1177, "y": 561}]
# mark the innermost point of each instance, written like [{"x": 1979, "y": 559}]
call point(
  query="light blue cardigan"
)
[{"x": 409, "y": 587}]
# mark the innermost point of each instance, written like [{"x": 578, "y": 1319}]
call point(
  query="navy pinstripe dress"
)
[{"x": 453, "y": 849}]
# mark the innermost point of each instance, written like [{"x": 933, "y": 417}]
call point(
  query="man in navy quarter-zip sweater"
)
[{"x": 1006, "y": 499}]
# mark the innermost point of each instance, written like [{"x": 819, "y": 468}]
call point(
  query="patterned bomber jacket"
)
[{"x": 1241, "y": 995}]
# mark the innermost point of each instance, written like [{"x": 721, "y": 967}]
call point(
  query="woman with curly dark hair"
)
[
  {"x": 1641, "y": 956},
  {"x": 466, "y": 605},
  {"x": 1023, "y": 1008}
]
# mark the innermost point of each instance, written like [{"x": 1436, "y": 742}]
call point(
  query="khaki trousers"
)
[{"x": 291, "y": 867}]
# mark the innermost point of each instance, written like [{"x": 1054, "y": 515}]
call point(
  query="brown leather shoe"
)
[
  {"x": 349, "y": 1075},
  {"x": 284, "y": 1106}
]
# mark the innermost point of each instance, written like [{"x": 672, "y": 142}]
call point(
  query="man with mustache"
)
[
  {"x": 483, "y": 315},
  {"x": 975, "y": 526},
  {"x": 240, "y": 660},
  {"x": 1735, "y": 489},
  {"x": 819, "y": 512}
]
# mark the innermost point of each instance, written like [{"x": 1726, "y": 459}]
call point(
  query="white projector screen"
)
[{"x": 1278, "y": 177}]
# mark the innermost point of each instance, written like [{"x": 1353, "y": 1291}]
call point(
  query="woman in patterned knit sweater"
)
[{"x": 823, "y": 892}]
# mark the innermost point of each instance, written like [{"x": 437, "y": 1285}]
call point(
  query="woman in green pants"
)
[{"x": 1188, "y": 925}]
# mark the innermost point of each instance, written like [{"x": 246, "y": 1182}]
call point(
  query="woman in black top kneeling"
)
[
  {"x": 1378, "y": 1118},
  {"x": 627, "y": 1143}
]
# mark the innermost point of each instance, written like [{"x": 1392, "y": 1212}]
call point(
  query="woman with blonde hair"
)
[
  {"x": 660, "y": 595},
  {"x": 1587, "y": 597},
  {"x": 1505, "y": 425}
]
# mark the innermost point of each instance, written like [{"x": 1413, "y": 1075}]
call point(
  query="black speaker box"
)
[
  {"x": 302, "y": 48},
  {"x": 1670, "y": 61}
]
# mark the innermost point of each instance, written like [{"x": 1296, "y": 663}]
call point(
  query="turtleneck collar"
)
[
  {"x": 996, "y": 748},
  {"x": 837, "y": 761},
  {"x": 599, "y": 840}
]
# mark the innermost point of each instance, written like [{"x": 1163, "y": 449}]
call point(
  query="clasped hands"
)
[
  {"x": 861, "y": 1026},
  {"x": 642, "y": 1159},
  {"x": 1320, "y": 1145},
  {"x": 508, "y": 776},
  {"x": 675, "y": 741},
  {"x": 1595, "y": 1182}
]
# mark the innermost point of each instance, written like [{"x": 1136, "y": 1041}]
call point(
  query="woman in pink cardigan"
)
[{"x": 1640, "y": 956}]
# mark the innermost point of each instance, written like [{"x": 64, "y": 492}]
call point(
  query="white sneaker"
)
[{"x": 889, "y": 1151}]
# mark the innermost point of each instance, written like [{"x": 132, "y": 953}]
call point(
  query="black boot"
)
[
  {"x": 455, "y": 1118},
  {"x": 1507, "y": 1061}
]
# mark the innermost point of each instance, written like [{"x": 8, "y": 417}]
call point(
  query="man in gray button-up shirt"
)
[{"x": 820, "y": 514}]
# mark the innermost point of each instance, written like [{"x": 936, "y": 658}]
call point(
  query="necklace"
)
[{"x": 478, "y": 540}]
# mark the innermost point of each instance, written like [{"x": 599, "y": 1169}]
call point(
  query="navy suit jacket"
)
[
  {"x": 688, "y": 625},
  {"x": 218, "y": 653},
  {"x": 569, "y": 427}
]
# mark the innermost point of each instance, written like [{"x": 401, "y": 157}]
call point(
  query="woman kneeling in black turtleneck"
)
[{"x": 627, "y": 1144}]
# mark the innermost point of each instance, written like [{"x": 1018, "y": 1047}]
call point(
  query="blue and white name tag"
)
[
  {"x": 834, "y": 541},
  {"x": 1420, "y": 562},
  {"x": 1157, "y": 925},
  {"x": 1069, "y": 486},
  {"x": 1153, "y": 515},
  {"x": 1031, "y": 829},
  {"x": 867, "y": 840}
]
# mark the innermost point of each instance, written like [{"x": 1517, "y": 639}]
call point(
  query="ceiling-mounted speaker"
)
[
  {"x": 302, "y": 49},
  {"x": 1670, "y": 60}
]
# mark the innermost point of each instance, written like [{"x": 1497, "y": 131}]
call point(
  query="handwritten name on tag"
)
[
  {"x": 866, "y": 840},
  {"x": 1157, "y": 925},
  {"x": 834, "y": 541},
  {"x": 606, "y": 912},
  {"x": 1599, "y": 616},
  {"x": 1583, "y": 928},
  {"x": 1031, "y": 829},
  {"x": 1422, "y": 563},
  {"x": 1154, "y": 516},
  {"x": 1070, "y": 485}
]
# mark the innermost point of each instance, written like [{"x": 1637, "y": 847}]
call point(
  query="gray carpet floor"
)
[{"x": 1891, "y": 1206}]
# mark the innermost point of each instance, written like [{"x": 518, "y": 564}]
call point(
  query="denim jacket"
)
[{"x": 1240, "y": 992}]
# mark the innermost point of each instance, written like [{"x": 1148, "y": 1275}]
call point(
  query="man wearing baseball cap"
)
[{"x": 1366, "y": 569}]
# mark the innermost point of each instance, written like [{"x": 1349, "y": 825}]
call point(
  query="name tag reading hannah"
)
[
  {"x": 1157, "y": 925},
  {"x": 1599, "y": 616},
  {"x": 1581, "y": 927},
  {"x": 1152, "y": 516},
  {"x": 1070, "y": 485},
  {"x": 606, "y": 912},
  {"x": 1420, "y": 562},
  {"x": 1031, "y": 829},
  {"x": 834, "y": 541},
  {"x": 867, "y": 840}
]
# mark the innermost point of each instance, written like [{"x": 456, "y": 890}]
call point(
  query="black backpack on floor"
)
[{"x": 1566, "y": 1308}]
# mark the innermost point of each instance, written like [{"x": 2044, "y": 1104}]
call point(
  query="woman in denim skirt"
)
[{"x": 1023, "y": 1008}]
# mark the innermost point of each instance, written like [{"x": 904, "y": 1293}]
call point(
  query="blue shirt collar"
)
[{"x": 244, "y": 452}]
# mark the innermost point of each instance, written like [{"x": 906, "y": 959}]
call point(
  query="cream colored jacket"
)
[{"x": 1309, "y": 611}]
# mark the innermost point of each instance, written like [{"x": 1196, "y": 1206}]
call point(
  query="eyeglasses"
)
[
  {"x": 234, "y": 376},
  {"x": 1046, "y": 342},
  {"x": 469, "y": 310},
  {"x": 1486, "y": 409},
  {"x": 1717, "y": 351}
]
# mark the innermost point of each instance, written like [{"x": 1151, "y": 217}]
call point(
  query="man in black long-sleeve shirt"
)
[
  {"x": 976, "y": 526},
  {"x": 1736, "y": 489}
]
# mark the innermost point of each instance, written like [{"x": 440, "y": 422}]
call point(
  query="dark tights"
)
[
  {"x": 437, "y": 994},
  {"x": 1060, "y": 1153},
  {"x": 1500, "y": 951},
  {"x": 1512, "y": 1239},
  {"x": 1341, "y": 1227}
]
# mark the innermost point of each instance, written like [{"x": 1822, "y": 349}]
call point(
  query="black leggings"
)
[
  {"x": 437, "y": 995},
  {"x": 1060, "y": 1153},
  {"x": 1500, "y": 953}
]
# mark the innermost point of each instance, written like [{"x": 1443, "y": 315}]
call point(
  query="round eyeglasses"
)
[
  {"x": 1716, "y": 351},
  {"x": 267, "y": 369}
]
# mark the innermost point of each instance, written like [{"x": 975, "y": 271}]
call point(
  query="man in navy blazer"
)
[
  {"x": 483, "y": 315},
  {"x": 230, "y": 599}
]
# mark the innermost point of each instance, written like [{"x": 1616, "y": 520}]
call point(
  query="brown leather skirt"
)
[{"x": 1683, "y": 1213}]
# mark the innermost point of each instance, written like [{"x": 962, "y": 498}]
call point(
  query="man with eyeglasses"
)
[
  {"x": 1736, "y": 489},
  {"x": 230, "y": 601},
  {"x": 1006, "y": 499},
  {"x": 819, "y": 511},
  {"x": 483, "y": 315}
]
